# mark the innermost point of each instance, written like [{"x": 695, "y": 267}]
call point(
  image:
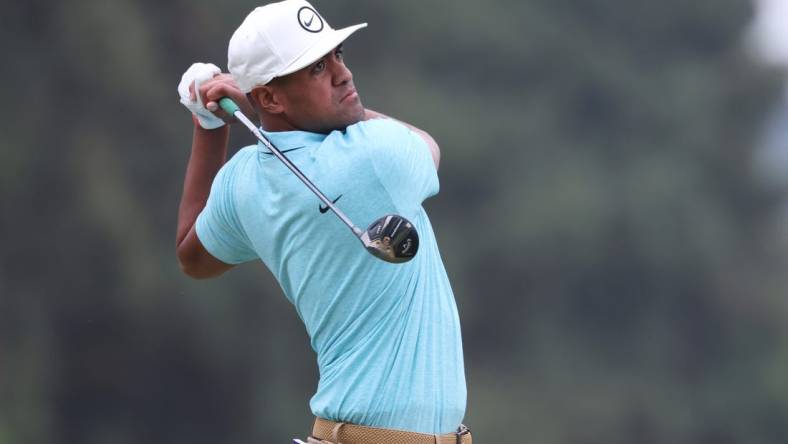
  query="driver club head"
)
[{"x": 391, "y": 238}]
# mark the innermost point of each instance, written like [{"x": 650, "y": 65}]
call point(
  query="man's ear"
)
[{"x": 266, "y": 99}]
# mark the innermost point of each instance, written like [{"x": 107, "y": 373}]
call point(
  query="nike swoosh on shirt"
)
[
  {"x": 324, "y": 209},
  {"x": 310, "y": 21}
]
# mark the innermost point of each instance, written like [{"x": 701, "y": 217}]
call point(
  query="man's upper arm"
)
[
  {"x": 431, "y": 144},
  {"x": 405, "y": 161},
  {"x": 218, "y": 240}
]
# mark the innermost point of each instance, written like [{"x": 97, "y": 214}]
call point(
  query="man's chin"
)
[
  {"x": 347, "y": 118},
  {"x": 353, "y": 119},
  {"x": 358, "y": 113}
]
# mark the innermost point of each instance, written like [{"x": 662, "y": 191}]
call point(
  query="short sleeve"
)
[
  {"x": 403, "y": 162},
  {"x": 218, "y": 226}
]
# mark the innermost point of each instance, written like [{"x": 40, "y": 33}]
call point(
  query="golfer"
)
[{"x": 387, "y": 336}]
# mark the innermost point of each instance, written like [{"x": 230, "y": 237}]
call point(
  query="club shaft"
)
[{"x": 346, "y": 220}]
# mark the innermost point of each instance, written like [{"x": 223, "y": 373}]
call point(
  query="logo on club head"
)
[{"x": 309, "y": 19}]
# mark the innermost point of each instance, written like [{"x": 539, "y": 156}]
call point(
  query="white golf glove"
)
[{"x": 198, "y": 73}]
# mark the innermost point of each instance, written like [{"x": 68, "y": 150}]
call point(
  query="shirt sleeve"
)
[
  {"x": 218, "y": 227},
  {"x": 403, "y": 162}
]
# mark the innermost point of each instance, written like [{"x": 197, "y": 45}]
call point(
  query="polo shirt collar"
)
[{"x": 290, "y": 140}]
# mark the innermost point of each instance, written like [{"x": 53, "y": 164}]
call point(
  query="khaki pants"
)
[
  {"x": 311, "y": 440},
  {"x": 329, "y": 432}
]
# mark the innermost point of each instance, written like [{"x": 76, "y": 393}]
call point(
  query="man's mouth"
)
[{"x": 349, "y": 95}]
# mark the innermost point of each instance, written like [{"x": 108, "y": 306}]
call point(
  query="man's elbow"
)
[
  {"x": 189, "y": 267},
  {"x": 436, "y": 156},
  {"x": 192, "y": 271},
  {"x": 432, "y": 145},
  {"x": 435, "y": 151},
  {"x": 193, "y": 266}
]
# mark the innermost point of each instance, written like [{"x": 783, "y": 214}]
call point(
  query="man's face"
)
[{"x": 321, "y": 97}]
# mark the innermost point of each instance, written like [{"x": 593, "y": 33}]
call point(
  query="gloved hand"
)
[{"x": 198, "y": 73}]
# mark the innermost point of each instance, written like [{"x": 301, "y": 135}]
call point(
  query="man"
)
[{"x": 387, "y": 336}]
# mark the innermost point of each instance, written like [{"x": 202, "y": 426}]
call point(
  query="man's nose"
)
[{"x": 342, "y": 73}]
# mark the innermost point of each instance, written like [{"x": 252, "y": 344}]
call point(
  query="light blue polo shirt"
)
[{"x": 387, "y": 336}]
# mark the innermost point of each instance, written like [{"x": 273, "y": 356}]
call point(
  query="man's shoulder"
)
[
  {"x": 234, "y": 167},
  {"x": 242, "y": 156},
  {"x": 378, "y": 129},
  {"x": 244, "y": 153}
]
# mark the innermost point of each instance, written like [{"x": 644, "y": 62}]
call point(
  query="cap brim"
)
[{"x": 331, "y": 40}]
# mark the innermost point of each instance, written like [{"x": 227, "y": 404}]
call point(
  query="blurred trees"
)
[{"x": 619, "y": 270}]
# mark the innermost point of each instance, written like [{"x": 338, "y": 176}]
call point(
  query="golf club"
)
[{"x": 391, "y": 238}]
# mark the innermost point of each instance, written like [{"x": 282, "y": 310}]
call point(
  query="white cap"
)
[
  {"x": 278, "y": 39},
  {"x": 768, "y": 34}
]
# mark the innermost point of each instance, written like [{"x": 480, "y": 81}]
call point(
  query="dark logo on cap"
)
[{"x": 309, "y": 19}]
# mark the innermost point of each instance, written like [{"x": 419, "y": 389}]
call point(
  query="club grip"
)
[{"x": 228, "y": 105}]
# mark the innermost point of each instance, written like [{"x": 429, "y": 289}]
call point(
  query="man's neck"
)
[{"x": 275, "y": 125}]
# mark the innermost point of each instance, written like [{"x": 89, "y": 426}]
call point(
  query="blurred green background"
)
[{"x": 619, "y": 267}]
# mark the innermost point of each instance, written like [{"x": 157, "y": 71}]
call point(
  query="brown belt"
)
[{"x": 342, "y": 433}]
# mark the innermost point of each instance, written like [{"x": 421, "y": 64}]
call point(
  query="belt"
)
[{"x": 343, "y": 433}]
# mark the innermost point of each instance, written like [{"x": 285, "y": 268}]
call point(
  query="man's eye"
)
[
  {"x": 319, "y": 66},
  {"x": 340, "y": 54}
]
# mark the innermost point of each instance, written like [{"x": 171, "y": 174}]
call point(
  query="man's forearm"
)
[{"x": 209, "y": 153}]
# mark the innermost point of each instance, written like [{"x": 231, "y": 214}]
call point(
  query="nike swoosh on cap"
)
[{"x": 324, "y": 209}]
